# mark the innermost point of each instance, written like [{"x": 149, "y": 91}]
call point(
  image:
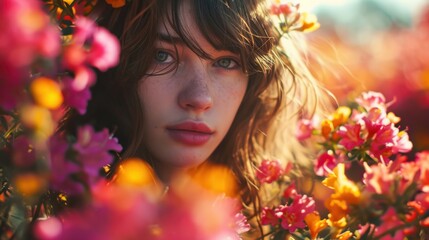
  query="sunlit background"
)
[{"x": 379, "y": 45}]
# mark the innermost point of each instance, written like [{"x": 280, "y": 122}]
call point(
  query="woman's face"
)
[{"x": 188, "y": 111}]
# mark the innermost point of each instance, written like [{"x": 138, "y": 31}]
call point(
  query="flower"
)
[
  {"x": 93, "y": 149},
  {"x": 379, "y": 178},
  {"x": 269, "y": 171},
  {"x": 293, "y": 215},
  {"x": 315, "y": 224}
]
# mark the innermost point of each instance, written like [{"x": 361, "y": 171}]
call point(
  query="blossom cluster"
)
[
  {"x": 372, "y": 190},
  {"x": 43, "y": 74}
]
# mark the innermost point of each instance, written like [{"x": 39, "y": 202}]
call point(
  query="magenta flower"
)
[
  {"x": 93, "y": 149},
  {"x": 290, "y": 192},
  {"x": 269, "y": 171},
  {"x": 270, "y": 216},
  {"x": 294, "y": 214},
  {"x": 91, "y": 45},
  {"x": 383, "y": 142},
  {"x": 389, "y": 220},
  {"x": 304, "y": 129},
  {"x": 371, "y": 99},
  {"x": 324, "y": 164},
  {"x": 75, "y": 98},
  {"x": 104, "y": 52},
  {"x": 115, "y": 213},
  {"x": 350, "y": 136},
  {"x": 27, "y": 35},
  {"x": 62, "y": 168}
]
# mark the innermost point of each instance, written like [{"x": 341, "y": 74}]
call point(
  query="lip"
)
[{"x": 190, "y": 133}]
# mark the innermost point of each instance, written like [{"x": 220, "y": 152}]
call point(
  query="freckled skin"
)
[{"x": 207, "y": 91}]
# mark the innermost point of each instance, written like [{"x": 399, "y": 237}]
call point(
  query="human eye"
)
[
  {"x": 162, "y": 57},
  {"x": 227, "y": 63}
]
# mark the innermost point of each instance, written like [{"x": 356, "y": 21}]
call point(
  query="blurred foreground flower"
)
[{"x": 136, "y": 198}]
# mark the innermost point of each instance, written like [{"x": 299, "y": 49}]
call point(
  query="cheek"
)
[{"x": 232, "y": 94}]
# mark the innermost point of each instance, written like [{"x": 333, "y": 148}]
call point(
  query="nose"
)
[{"x": 195, "y": 94}]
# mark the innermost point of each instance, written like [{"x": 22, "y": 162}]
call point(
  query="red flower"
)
[
  {"x": 269, "y": 171},
  {"x": 293, "y": 216}
]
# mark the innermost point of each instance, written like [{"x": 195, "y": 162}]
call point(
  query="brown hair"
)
[{"x": 280, "y": 85}]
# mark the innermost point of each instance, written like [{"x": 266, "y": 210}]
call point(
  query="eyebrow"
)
[{"x": 170, "y": 39}]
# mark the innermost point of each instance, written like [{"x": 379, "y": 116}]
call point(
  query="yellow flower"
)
[
  {"x": 346, "y": 192},
  {"x": 315, "y": 224},
  {"x": 309, "y": 22},
  {"x": 46, "y": 93},
  {"x": 116, "y": 3},
  {"x": 343, "y": 187},
  {"x": 341, "y": 115}
]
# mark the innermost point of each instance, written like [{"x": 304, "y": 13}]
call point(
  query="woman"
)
[{"x": 202, "y": 81}]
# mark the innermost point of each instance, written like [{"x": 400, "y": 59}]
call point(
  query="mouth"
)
[{"x": 190, "y": 133}]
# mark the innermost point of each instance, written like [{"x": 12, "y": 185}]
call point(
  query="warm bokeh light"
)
[
  {"x": 29, "y": 184},
  {"x": 46, "y": 92},
  {"x": 135, "y": 172},
  {"x": 216, "y": 178}
]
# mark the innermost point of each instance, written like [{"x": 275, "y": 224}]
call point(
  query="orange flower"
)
[
  {"x": 315, "y": 224},
  {"x": 346, "y": 192},
  {"x": 326, "y": 128},
  {"x": 116, "y": 3}
]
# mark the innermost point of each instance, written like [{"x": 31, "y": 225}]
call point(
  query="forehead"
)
[{"x": 182, "y": 17}]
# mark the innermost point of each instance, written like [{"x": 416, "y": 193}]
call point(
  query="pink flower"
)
[
  {"x": 93, "y": 149},
  {"x": 283, "y": 9},
  {"x": 402, "y": 143},
  {"x": 75, "y": 98},
  {"x": 293, "y": 215},
  {"x": 91, "y": 45},
  {"x": 371, "y": 99},
  {"x": 27, "y": 35},
  {"x": 350, "y": 136},
  {"x": 325, "y": 163},
  {"x": 383, "y": 142},
  {"x": 290, "y": 192},
  {"x": 104, "y": 52},
  {"x": 241, "y": 224},
  {"x": 62, "y": 168},
  {"x": 389, "y": 221},
  {"x": 379, "y": 178},
  {"x": 304, "y": 129},
  {"x": 269, "y": 171},
  {"x": 114, "y": 213},
  {"x": 422, "y": 163},
  {"x": 270, "y": 216}
]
